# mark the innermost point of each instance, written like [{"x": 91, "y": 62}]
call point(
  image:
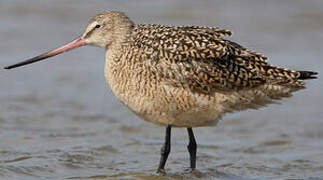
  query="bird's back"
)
[{"x": 200, "y": 58}]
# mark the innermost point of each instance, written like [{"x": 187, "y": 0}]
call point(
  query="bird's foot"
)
[
  {"x": 194, "y": 172},
  {"x": 190, "y": 170},
  {"x": 161, "y": 172}
]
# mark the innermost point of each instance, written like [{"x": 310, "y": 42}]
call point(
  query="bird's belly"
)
[
  {"x": 167, "y": 105},
  {"x": 174, "y": 112},
  {"x": 195, "y": 117}
]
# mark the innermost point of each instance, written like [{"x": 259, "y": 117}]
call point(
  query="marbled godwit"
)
[{"x": 186, "y": 76}]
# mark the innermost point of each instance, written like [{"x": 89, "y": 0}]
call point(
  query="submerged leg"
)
[
  {"x": 165, "y": 150},
  {"x": 192, "y": 148}
]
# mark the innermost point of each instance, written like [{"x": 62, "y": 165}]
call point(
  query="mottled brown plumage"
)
[
  {"x": 185, "y": 76},
  {"x": 173, "y": 75},
  {"x": 198, "y": 58}
]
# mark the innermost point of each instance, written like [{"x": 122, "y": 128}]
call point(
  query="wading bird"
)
[{"x": 187, "y": 76}]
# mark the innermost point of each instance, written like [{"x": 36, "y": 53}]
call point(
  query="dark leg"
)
[
  {"x": 165, "y": 150},
  {"x": 192, "y": 148}
]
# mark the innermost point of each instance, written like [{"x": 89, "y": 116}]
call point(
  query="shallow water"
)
[{"x": 59, "y": 120}]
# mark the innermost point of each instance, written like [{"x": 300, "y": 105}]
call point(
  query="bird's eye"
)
[{"x": 97, "y": 26}]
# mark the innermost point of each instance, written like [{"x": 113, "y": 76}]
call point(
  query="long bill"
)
[{"x": 72, "y": 45}]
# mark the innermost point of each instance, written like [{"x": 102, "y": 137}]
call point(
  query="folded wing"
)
[{"x": 199, "y": 59}]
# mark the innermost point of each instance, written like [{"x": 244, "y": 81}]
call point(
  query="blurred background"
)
[{"x": 59, "y": 120}]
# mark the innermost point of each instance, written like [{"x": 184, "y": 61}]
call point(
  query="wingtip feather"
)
[{"x": 303, "y": 75}]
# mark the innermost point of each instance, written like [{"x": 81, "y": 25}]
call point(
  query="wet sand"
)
[{"x": 59, "y": 120}]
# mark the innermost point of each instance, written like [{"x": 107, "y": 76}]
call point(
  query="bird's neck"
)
[
  {"x": 114, "y": 63},
  {"x": 120, "y": 36}
]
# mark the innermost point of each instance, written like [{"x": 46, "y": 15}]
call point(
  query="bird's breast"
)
[{"x": 147, "y": 95}]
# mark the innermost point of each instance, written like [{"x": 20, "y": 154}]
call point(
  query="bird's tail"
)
[
  {"x": 290, "y": 78},
  {"x": 288, "y": 81},
  {"x": 299, "y": 76}
]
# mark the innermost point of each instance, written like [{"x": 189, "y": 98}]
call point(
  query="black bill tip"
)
[
  {"x": 29, "y": 61},
  {"x": 9, "y": 67}
]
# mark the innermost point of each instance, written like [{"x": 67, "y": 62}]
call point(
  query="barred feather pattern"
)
[{"x": 198, "y": 58}]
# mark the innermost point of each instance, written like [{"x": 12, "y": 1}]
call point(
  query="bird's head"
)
[
  {"x": 107, "y": 28},
  {"x": 103, "y": 30}
]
